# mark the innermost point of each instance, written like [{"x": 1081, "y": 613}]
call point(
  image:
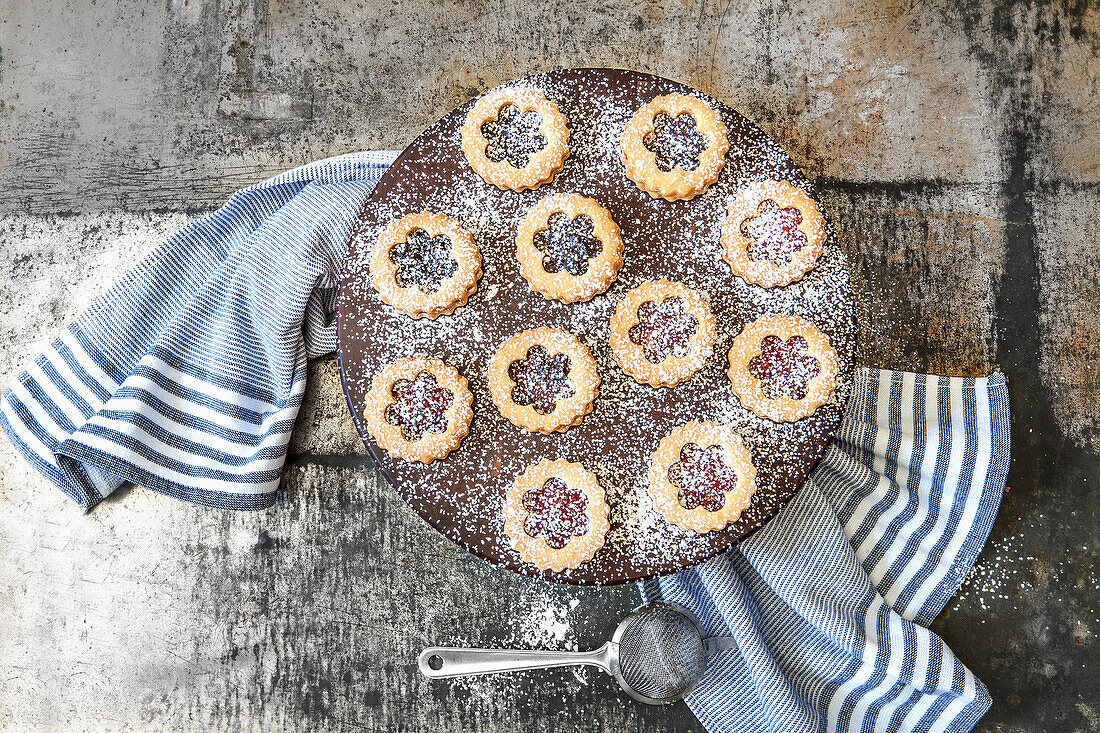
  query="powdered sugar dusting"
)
[
  {"x": 546, "y": 626},
  {"x": 678, "y": 241},
  {"x": 1004, "y": 573}
]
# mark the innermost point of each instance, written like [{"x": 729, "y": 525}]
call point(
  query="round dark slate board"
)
[{"x": 461, "y": 495}]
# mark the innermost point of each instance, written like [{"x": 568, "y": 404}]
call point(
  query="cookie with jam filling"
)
[
  {"x": 773, "y": 234},
  {"x": 701, "y": 477},
  {"x": 674, "y": 147},
  {"x": 662, "y": 333},
  {"x": 515, "y": 138},
  {"x": 782, "y": 368},
  {"x": 569, "y": 248},
  {"x": 543, "y": 380},
  {"x": 419, "y": 409},
  {"x": 556, "y": 515},
  {"x": 425, "y": 264}
]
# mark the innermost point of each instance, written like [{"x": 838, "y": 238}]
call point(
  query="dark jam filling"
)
[
  {"x": 419, "y": 406},
  {"x": 774, "y": 233},
  {"x": 784, "y": 368},
  {"x": 423, "y": 261},
  {"x": 664, "y": 329},
  {"x": 556, "y": 512},
  {"x": 702, "y": 477},
  {"x": 542, "y": 381},
  {"x": 567, "y": 244},
  {"x": 674, "y": 142},
  {"x": 513, "y": 136}
]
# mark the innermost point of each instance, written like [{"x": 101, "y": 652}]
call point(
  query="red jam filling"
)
[
  {"x": 774, "y": 233},
  {"x": 419, "y": 406},
  {"x": 702, "y": 477},
  {"x": 663, "y": 329},
  {"x": 541, "y": 380},
  {"x": 674, "y": 142},
  {"x": 556, "y": 512},
  {"x": 423, "y": 261},
  {"x": 567, "y": 244},
  {"x": 513, "y": 136},
  {"x": 784, "y": 368}
]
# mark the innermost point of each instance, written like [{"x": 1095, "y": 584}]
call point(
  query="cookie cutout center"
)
[
  {"x": 674, "y": 142},
  {"x": 542, "y": 381},
  {"x": 423, "y": 260},
  {"x": 556, "y": 512},
  {"x": 513, "y": 136},
  {"x": 774, "y": 233},
  {"x": 663, "y": 329},
  {"x": 784, "y": 368},
  {"x": 568, "y": 244},
  {"x": 419, "y": 406},
  {"x": 702, "y": 477}
]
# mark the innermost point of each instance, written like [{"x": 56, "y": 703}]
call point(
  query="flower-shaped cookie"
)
[
  {"x": 674, "y": 147},
  {"x": 569, "y": 248},
  {"x": 425, "y": 265},
  {"x": 701, "y": 477},
  {"x": 418, "y": 409},
  {"x": 773, "y": 233},
  {"x": 782, "y": 368},
  {"x": 662, "y": 333},
  {"x": 556, "y": 515},
  {"x": 543, "y": 380},
  {"x": 515, "y": 138}
]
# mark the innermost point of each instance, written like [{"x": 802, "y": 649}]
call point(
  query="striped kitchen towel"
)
[
  {"x": 830, "y": 601},
  {"x": 187, "y": 375}
]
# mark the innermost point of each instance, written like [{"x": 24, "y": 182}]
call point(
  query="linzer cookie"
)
[
  {"x": 555, "y": 515},
  {"x": 773, "y": 234},
  {"x": 782, "y": 368},
  {"x": 419, "y": 409},
  {"x": 543, "y": 380},
  {"x": 569, "y": 248},
  {"x": 674, "y": 147},
  {"x": 515, "y": 138},
  {"x": 425, "y": 265},
  {"x": 701, "y": 477},
  {"x": 662, "y": 333}
]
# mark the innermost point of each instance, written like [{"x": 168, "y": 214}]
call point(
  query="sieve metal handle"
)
[
  {"x": 719, "y": 644},
  {"x": 438, "y": 662}
]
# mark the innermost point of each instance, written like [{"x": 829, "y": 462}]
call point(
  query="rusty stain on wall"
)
[
  {"x": 926, "y": 261},
  {"x": 1068, "y": 219}
]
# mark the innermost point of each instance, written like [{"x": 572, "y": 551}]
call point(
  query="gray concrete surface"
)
[{"x": 958, "y": 149}]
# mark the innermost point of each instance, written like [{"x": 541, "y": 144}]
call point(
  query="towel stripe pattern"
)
[
  {"x": 187, "y": 375},
  {"x": 830, "y": 601}
]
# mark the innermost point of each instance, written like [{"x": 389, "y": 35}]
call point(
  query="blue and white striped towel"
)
[
  {"x": 186, "y": 376},
  {"x": 830, "y": 601}
]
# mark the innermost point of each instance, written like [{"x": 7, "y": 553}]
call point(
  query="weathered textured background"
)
[{"x": 959, "y": 153}]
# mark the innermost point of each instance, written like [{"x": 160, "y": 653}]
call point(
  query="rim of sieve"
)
[{"x": 624, "y": 624}]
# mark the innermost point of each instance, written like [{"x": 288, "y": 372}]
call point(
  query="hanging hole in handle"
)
[{"x": 435, "y": 662}]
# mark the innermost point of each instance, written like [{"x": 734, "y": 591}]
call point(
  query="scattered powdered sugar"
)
[
  {"x": 462, "y": 495},
  {"x": 546, "y": 625},
  {"x": 1005, "y": 574}
]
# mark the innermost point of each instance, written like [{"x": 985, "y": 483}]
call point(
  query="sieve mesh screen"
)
[{"x": 661, "y": 654}]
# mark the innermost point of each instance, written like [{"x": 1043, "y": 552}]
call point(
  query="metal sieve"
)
[{"x": 657, "y": 655}]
